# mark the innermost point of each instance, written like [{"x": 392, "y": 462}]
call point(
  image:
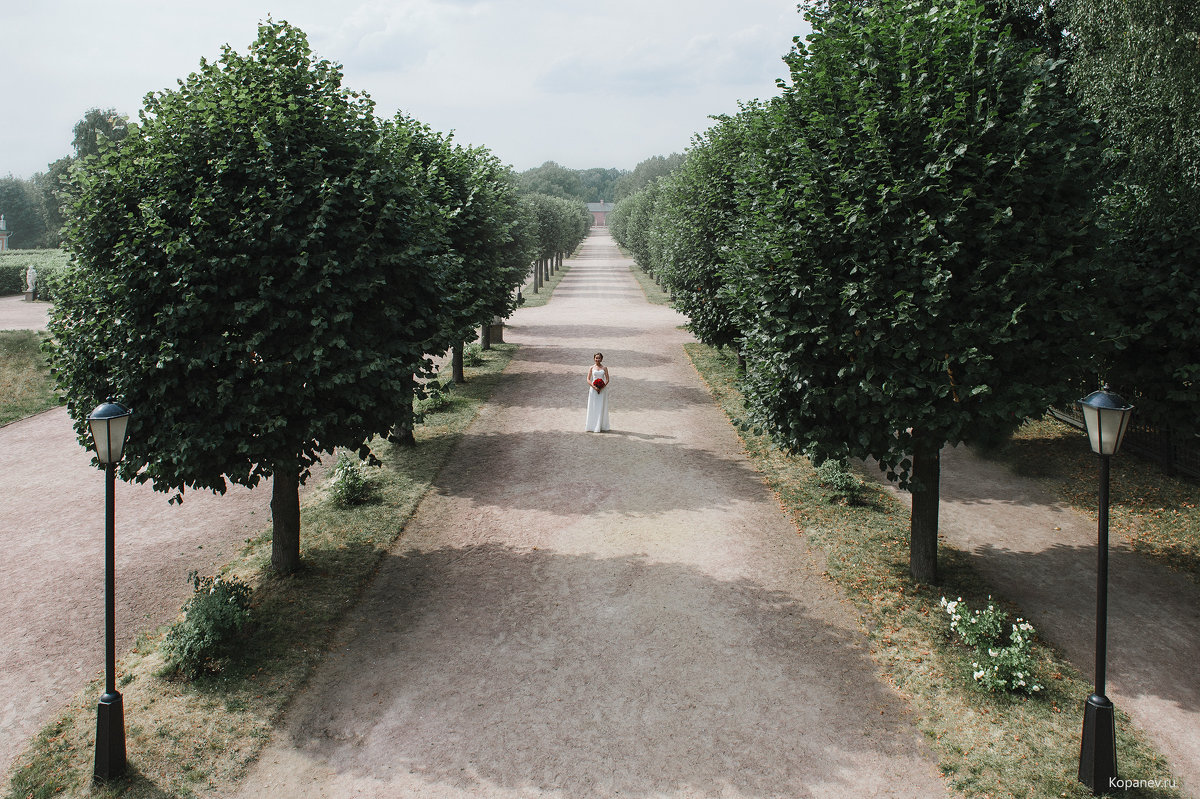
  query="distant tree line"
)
[
  {"x": 595, "y": 185},
  {"x": 955, "y": 214},
  {"x": 32, "y": 207}
]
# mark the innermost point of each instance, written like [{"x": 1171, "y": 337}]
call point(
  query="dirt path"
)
[
  {"x": 1042, "y": 555},
  {"x": 599, "y": 615}
]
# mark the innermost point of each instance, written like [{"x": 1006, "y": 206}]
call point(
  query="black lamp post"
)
[
  {"x": 108, "y": 423},
  {"x": 1107, "y": 417}
]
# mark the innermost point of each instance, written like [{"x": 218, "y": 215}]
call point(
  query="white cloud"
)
[{"x": 583, "y": 84}]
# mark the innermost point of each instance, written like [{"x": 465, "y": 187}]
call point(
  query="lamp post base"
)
[
  {"x": 110, "y": 737},
  {"x": 1098, "y": 754}
]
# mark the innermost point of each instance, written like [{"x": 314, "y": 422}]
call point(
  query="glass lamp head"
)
[
  {"x": 109, "y": 422},
  {"x": 1107, "y": 418}
]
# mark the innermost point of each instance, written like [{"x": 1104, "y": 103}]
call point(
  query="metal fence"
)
[{"x": 1173, "y": 453}]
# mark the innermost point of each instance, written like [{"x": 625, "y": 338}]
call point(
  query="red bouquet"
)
[{"x": 598, "y": 384}]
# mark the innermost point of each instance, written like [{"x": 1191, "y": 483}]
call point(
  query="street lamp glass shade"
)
[
  {"x": 1107, "y": 418},
  {"x": 108, "y": 423}
]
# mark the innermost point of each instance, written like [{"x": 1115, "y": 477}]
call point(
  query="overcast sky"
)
[{"x": 606, "y": 83}]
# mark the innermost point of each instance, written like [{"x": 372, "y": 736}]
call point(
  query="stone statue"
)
[{"x": 31, "y": 280}]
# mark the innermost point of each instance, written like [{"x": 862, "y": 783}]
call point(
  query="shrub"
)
[
  {"x": 473, "y": 354},
  {"x": 349, "y": 483},
  {"x": 1001, "y": 663},
  {"x": 213, "y": 618},
  {"x": 435, "y": 397},
  {"x": 51, "y": 265},
  {"x": 12, "y": 279},
  {"x": 835, "y": 475}
]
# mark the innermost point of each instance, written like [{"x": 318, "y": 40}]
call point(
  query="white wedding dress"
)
[{"x": 597, "y": 410}]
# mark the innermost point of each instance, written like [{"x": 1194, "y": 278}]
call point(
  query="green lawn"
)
[{"x": 26, "y": 387}]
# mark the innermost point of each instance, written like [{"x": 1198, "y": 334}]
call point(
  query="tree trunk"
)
[
  {"x": 403, "y": 435},
  {"x": 285, "y": 520},
  {"x": 926, "y": 492},
  {"x": 485, "y": 336},
  {"x": 456, "y": 363}
]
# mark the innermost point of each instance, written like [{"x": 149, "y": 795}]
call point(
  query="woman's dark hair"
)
[{"x": 601, "y": 354}]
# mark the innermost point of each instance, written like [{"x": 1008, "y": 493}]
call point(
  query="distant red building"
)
[{"x": 599, "y": 212}]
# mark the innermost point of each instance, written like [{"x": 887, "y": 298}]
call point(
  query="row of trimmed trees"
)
[
  {"x": 262, "y": 268},
  {"x": 921, "y": 241},
  {"x": 561, "y": 224}
]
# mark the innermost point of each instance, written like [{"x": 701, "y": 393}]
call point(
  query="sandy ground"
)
[
  {"x": 1042, "y": 555},
  {"x": 16, "y": 314},
  {"x": 598, "y": 615}
]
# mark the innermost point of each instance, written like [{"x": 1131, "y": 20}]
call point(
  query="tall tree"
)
[
  {"x": 96, "y": 128},
  {"x": 21, "y": 204},
  {"x": 651, "y": 169},
  {"x": 698, "y": 225},
  {"x": 1135, "y": 63},
  {"x": 49, "y": 188},
  {"x": 553, "y": 179},
  {"x": 915, "y": 265},
  {"x": 486, "y": 246},
  {"x": 251, "y": 278}
]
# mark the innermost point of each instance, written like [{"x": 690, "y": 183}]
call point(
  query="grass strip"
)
[
  {"x": 655, "y": 294},
  {"x": 198, "y": 738},
  {"x": 26, "y": 387},
  {"x": 987, "y": 745},
  {"x": 531, "y": 300},
  {"x": 1158, "y": 514}
]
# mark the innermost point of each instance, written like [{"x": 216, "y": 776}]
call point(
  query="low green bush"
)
[
  {"x": 434, "y": 397},
  {"x": 1002, "y": 662},
  {"x": 213, "y": 619},
  {"x": 349, "y": 483},
  {"x": 836, "y": 476},
  {"x": 473, "y": 354},
  {"x": 52, "y": 267},
  {"x": 12, "y": 279},
  {"x": 51, "y": 280}
]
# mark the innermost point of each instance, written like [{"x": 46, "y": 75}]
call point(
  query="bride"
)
[{"x": 597, "y": 407}]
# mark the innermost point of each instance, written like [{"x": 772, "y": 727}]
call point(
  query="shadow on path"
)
[
  {"x": 599, "y": 677},
  {"x": 596, "y": 471}
]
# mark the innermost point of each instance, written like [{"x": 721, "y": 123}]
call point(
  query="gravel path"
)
[
  {"x": 599, "y": 615},
  {"x": 17, "y": 314}
]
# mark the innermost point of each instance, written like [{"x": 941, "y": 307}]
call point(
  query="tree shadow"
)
[
  {"x": 491, "y": 667},
  {"x": 967, "y": 479},
  {"x": 569, "y": 390},
  {"x": 581, "y": 356},
  {"x": 1153, "y": 614},
  {"x": 589, "y": 470},
  {"x": 572, "y": 332}
]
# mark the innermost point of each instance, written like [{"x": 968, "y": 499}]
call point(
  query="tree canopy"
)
[
  {"x": 1135, "y": 65},
  {"x": 252, "y": 277},
  {"x": 95, "y": 128},
  {"x": 899, "y": 243}
]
